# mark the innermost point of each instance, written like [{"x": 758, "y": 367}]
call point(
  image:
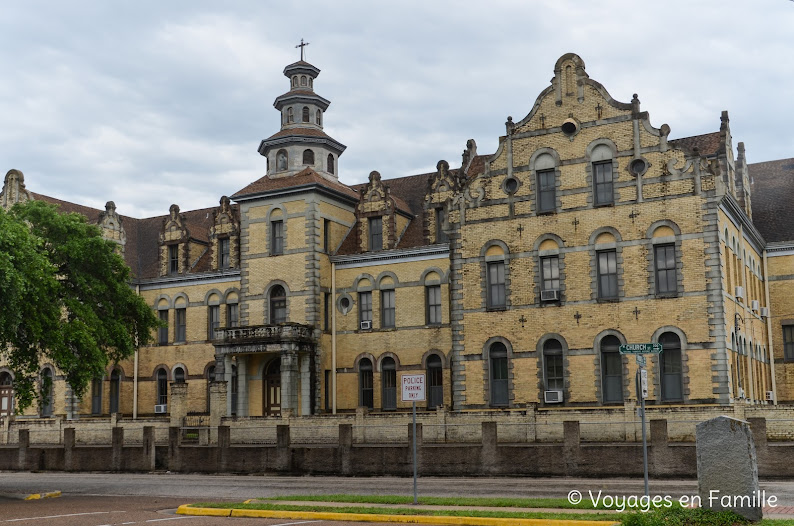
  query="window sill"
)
[
  {"x": 667, "y": 295},
  {"x": 496, "y": 309},
  {"x": 607, "y": 300},
  {"x": 546, "y": 212},
  {"x": 601, "y": 205}
]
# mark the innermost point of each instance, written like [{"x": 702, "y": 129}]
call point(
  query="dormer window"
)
[
  {"x": 281, "y": 160},
  {"x": 375, "y": 233},
  {"x": 319, "y": 117},
  {"x": 305, "y": 114},
  {"x": 303, "y": 80},
  {"x": 173, "y": 259}
]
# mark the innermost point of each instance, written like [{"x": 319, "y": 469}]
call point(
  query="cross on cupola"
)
[{"x": 302, "y": 45}]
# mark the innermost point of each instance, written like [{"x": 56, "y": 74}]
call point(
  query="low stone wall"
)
[{"x": 572, "y": 456}]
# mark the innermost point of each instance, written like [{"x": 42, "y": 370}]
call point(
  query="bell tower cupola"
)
[{"x": 301, "y": 143}]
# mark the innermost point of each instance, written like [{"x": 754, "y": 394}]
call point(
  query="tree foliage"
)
[{"x": 66, "y": 299}]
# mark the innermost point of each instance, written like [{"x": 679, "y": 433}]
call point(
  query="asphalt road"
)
[{"x": 96, "y": 499}]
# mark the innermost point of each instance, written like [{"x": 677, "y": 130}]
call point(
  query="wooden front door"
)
[{"x": 271, "y": 388}]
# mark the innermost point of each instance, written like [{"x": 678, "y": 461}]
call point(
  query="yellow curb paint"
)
[
  {"x": 249, "y": 501},
  {"x": 184, "y": 509},
  {"x": 37, "y": 496},
  {"x": 373, "y": 517}
]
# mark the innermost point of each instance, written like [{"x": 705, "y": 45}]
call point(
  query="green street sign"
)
[{"x": 641, "y": 348}]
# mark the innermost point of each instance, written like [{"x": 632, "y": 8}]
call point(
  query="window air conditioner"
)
[
  {"x": 764, "y": 312},
  {"x": 549, "y": 295},
  {"x": 770, "y": 396},
  {"x": 161, "y": 408},
  {"x": 366, "y": 325},
  {"x": 552, "y": 397},
  {"x": 754, "y": 305},
  {"x": 739, "y": 293}
]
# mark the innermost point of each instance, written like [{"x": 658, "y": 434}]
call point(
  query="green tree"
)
[{"x": 67, "y": 299}]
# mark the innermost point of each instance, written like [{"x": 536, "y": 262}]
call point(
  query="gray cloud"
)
[{"x": 150, "y": 103}]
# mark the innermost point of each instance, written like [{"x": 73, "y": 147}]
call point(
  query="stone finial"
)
[
  {"x": 509, "y": 125},
  {"x": 174, "y": 212},
  {"x": 442, "y": 167},
  {"x": 724, "y": 120},
  {"x": 110, "y": 206},
  {"x": 14, "y": 190},
  {"x": 111, "y": 223},
  {"x": 741, "y": 149},
  {"x": 225, "y": 203},
  {"x": 635, "y": 105},
  {"x": 374, "y": 176}
]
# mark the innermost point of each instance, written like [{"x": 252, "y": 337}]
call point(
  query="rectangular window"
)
[
  {"x": 173, "y": 259},
  {"x": 433, "y": 301},
  {"x": 232, "y": 315},
  {"x": 664, "y": 261},
  {"x": 499, "y": 386},
  {"x": 788, "y": 343},
  {"x": 213, "y": 320},
  {"x": 602, "y": 176},
  {"x": 612, "y": 376},
  {"x": 554, "y": 377},
  {"x": 550, "y": 272},
  {"x": 547, "y": 191},
  {"x": 375, "y": 233},
  {"x": 224, "y": 261},
  {"x": 327, "y": 235},
  {"x": 277, "y": 237},
  {"x": 365, "y": 306},
  {"x": 607, "y": 274},
  {"x": 387, "y": 311},
  {"x": 327, "y": 312},
  {"x": 162, "y": 332},
  {"x": 441, "y": 236},
  {"x": 496, "y": 285},
  {"x": 181, "y": 322},
  {"x": 327, "y": 390}
]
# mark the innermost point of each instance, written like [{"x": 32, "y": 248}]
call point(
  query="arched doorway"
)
[
  {"x": 6, "y": 394},
  {"x": 271, "y": 392}
]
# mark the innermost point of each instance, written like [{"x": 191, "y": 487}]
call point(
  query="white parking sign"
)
[{"x": 413, "y": 388}]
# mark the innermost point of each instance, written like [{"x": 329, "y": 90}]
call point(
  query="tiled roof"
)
[
  {"x": 306, "y": 176},
  {"x": 307, "y": 132},
  {"x": 772, "y": 192},
  {"x": 707, "y": 144}
]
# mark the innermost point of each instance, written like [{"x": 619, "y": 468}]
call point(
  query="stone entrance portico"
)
[{"x": 253, "y": 349}]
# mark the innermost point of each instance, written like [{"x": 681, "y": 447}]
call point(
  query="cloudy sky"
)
[{"x": 149, "y": 103}]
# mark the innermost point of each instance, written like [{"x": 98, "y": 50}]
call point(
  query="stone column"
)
[
  {"x": 305, "y": 385},
  {"x": 289, "y": 382},
  {"x": 217, "y": 402},
  {"x": 178, "y": 407},
  {"x": 227, "y": 377},
  {"x": 242, "y": 386}
]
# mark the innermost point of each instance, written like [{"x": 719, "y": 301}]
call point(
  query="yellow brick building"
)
[{"x": 511, "y": 280}]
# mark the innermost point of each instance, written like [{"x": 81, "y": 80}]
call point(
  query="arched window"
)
[
  {"x": 497, "y": 356},
  {"x": 162, "y": 387},
  {"x": 389, "y": 383},
  {"x": 179, "y": 375},
  {"x": 290, "y": 116},
  {"x": 305, "y": 114},
  {"x": 672, "y": 370},
  {"x": 435, "y": 382},
  {"x": 295, "y": 81},
  {"x": 96, "y": 396},
  {"x": 46, "y": 392},
  {"x": 603, "y": 179},
  {"x": 308, "y": 156},
  {"x": 319, "y": 117},
  {"x": 611, "y": 370},
  {"x": 303, "y": 80},
  {"x": 553, "y": 365},
  {"x": 115, "y": 391},
  {"x": 278, "y": 305},
  {"x": 281, "y": 160},
  {"x": 330, "y": 163},
  {"x": 365, "y": 398},
  {"x": 6, "y": 394}
]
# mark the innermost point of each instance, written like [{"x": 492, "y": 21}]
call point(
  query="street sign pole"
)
[
  {"x": 641, "y": 396},
  {"x": 415, "y": 500}
]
